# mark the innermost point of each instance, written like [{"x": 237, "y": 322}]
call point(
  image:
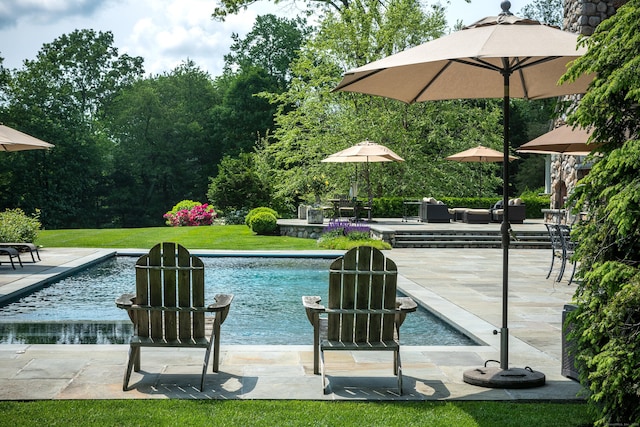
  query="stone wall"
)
[{"x": 583, "y": 16}]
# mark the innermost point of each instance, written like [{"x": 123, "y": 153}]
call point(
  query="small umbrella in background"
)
[
  {"x": 479, "y": 154},
  {"x": 562, "y": 140},
  {"x": 14, "y": 140},
  {"x": 500, "y": 56},
  {"x": 365, "y": 152}
]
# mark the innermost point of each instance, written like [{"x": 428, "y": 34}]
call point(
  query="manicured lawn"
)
[
  {"x": 290, "y": 413},
  {"x": 230, "y": 237}
]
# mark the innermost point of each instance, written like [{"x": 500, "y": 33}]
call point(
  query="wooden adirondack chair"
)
[
  {"x": 168, "y": 308},
  {"x": 363, "y": 310}
]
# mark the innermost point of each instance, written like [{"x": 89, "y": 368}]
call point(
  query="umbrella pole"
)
[
  {"x": 504, "y": 331},
  {"x": 504, "y": 377}
]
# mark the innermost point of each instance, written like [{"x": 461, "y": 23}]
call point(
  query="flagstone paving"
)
[{"x": 461, "y": 285}]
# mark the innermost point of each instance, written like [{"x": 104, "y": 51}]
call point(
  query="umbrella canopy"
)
[
  {"x": 365, "y": 152},
  {"x": 479, "y": 154},
  {"x": 473, "y": 62},
  {"x": 499, "y": 56},
  {"x": 14, "y": 140},
  {"x": 561, "y": 140}
]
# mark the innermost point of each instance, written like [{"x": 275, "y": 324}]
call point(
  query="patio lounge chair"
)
[
  {"x": 168, "y": 309},
  {"x": 433, "y": 211},
  {"x": 363, "y": 311},
  {"x": 23, "y": 247},
  {"x": 11, "y": 253}
]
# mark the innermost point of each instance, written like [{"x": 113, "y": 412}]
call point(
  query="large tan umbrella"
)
[
  {"x": 499, "y": 56},
  {"x": 479, "y": 154},
  {"x": 14, "y": 140},
  {"x": 365, "y": 152}
]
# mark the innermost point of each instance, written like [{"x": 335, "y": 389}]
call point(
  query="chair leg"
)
[
  {"x": 324, "y": 386},
  {"x": 553, "y": 258},
  {"x": 215, "y": 337},
  {"x": 134, "y": 354},
  {"x": 563, "y": 264},
  {"x": 573, "y": 271},
  {"x": 398, "y": 369}
]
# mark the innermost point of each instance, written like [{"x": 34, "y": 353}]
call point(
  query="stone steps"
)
[{"x": 468, "y": 239}]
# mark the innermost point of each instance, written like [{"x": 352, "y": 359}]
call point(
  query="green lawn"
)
[
  {"x": 230, "y": 237},
  {"x": 290, "y": 413},
  {"x": 261, "y": 413}
]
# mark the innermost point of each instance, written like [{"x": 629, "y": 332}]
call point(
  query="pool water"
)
[{"x": 267, "y": 306}]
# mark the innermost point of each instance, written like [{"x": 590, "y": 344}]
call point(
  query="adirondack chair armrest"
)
[
  {"x": 221, "y": 306},
  {"x": 125, "y": 301},
  {"x": 313, "y": 308},
  {"x": 312, "y": 303},
  {"x": 406, "y": 304},
  {"x": 222, "y": 301}
]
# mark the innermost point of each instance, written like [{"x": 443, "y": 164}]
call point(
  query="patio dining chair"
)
[
  {"x": 556, "y": 245},
  {"x": 568, "y": 249}
]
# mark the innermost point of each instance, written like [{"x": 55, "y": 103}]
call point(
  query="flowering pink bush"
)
[{"x": 197, "y": 215}]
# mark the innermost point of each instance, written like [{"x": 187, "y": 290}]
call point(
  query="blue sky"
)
[{"x": 164, "y": 32}]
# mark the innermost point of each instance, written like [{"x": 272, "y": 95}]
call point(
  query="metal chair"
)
[
  {"x": 556, "y": 245},
  {"x": 568, "y": 249}
]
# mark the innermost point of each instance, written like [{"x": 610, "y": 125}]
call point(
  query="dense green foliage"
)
[
  {"x": 159, "y": 412},
  {"x": 264, "y": 223},
  {"x": 17, "y": 227},
  {"x": 607, "y": 321},
  {"x": 248, "y": 220},
  {"x": 238, "y": 185}
]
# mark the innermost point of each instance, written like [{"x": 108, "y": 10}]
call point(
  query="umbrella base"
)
[{"x": 504, "y": 378}]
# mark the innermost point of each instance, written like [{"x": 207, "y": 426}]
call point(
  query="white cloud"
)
[{"x": 13, "y": 12}]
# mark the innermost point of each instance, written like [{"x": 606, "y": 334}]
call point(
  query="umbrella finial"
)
[{"x": 505, "y": 5}]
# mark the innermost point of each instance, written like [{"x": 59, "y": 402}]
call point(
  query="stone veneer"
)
[{"x": 582, "y": 17}]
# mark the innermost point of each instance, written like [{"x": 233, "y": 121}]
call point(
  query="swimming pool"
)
[{"x": 267, "y": 307}]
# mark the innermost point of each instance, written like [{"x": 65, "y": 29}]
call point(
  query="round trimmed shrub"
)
[
  {"x": 253, "y": 212},
  {"x": 264, "y": 223}
]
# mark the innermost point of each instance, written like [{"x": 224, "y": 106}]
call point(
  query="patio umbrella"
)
[
  {"x": 562, "y": 140},
  {"x": 479, "y": 154},
  {"x": 365, "y": 152},
  {"x": 499, "y": 56},
  {"x": 14, "y": 140}
]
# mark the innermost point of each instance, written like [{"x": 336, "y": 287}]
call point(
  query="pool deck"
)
[{"x": 463, "y": 285}]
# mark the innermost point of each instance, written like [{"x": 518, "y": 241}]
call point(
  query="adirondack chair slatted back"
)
[
  {"x": 169, "y": 279},
  {"x": 362, "y": 292}
]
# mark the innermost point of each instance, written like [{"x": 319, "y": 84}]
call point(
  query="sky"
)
[{"x": 164, "y": 32}]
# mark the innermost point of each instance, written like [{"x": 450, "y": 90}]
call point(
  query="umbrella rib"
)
[
  {"x": 364, "y": 76},
  {"x": 430, "y": 82}
]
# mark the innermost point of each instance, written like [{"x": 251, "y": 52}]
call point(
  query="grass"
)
[
  {"x": 261, "y": 412},
  {"x": 290, "y": 413},
  {"x": 228, "y": 237}
]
